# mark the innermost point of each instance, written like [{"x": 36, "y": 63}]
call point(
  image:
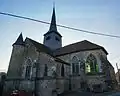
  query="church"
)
[{"x": 49, "y": 69}]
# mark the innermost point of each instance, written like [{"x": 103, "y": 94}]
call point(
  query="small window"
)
[
  {"x": 45, "y": 70},
  {"x": 56, "y": 38},
  {"x": 28, "y": 70},
  {"x": 62, "y": 70},
  {"x": 48, "y": 38}
]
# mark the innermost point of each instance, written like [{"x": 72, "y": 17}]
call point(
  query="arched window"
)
[
  {"x": 28, "y": 68},
  {"x": 62, "y": 70},
  {"x": 75, "y": 65},
  {"x": 91, "y": 64}
]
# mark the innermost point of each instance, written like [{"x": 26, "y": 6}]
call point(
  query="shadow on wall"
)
[{"x": 2, "y": 83}]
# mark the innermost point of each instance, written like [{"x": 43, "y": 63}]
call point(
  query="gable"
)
[{"x": 40, "y": 47}]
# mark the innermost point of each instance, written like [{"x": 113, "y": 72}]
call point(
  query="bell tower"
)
[{"x": 52, "y": 38}]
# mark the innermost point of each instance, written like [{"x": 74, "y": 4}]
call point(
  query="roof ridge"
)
[
  {"x": 78, "y": 46},
  {"x": 37, "y": 42},
  {"x": 79, "y": 42}
]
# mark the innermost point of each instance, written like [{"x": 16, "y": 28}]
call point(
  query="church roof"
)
[
  {"x": 19, "y": 40},
  {"x": 53, "y": 27},
  {"x": 42, "y": 48},
  {"x": 76, "y": 47},
  {"x": 61, "y": 61}
]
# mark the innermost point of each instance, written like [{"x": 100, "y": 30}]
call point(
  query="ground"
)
[{"x": 81, "y": 93}]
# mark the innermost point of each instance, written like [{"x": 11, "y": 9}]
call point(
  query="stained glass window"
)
[
  {"x": 87, "y": 67},
  {"x": 91, "y": 64}
]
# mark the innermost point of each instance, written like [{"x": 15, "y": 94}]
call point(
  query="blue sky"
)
[{"x": 94, "y": 15}]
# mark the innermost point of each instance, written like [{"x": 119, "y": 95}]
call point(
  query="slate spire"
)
[
  {"x": 53, "y": 38},
  {"x": 53, "y": 27},
  {"x": 19, "y": 40},
  {"x": 53, "y": 22}
]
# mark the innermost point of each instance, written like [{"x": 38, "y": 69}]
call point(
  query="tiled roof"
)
[{"x": 76, "y": 47}]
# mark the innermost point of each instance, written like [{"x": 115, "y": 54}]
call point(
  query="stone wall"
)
[
  {"x": 45, "y": 86},
  {"x": 19, "y": 84},
  {"x": 82, "y": 56},
  {"x": 75, "y": 82},
  {"x": 16, "y": 61},
  {"x": 62, "y": 85},
  {"x": 96, "y": 80},
  {"x": 46, "y": 60},
  {"x": 29, "y": 53},
  {"x": 54, "y": 71}
]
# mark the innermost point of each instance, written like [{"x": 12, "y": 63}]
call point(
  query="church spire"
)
[
  {"x": 53, "y": 38},
  {"x": 53, "y": 27},
  {"x": 53, "y": 22},
  {"x": 19, "y": 40}
]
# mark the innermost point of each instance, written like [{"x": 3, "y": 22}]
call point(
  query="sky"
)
[{"x": 101, "y": 16}]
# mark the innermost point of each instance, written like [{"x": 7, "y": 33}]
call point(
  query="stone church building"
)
[{"x": 48, "y": 69}]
